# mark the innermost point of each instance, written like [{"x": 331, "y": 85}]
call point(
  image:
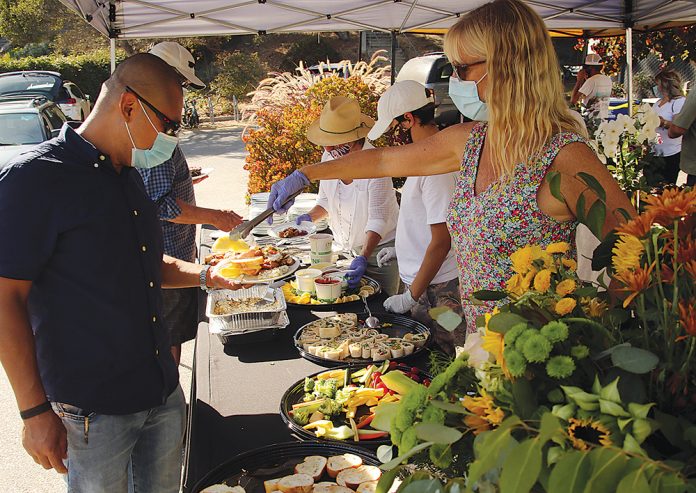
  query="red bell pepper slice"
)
[
  {"x": 371, "y": 434},
  {"x": 365, "y": 421}
]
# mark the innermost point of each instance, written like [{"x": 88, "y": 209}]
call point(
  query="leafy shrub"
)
[
  {"x": 285, "y": 106},
  {"x": 87, "y": 71},
  {"x": 238, "y": 74}
]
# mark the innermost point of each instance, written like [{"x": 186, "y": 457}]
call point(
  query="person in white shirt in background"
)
[
  {"x": 668, "y": 87},
  {"x": 362, "y": 214},
  {"x": 591, "y": 85},
  {"x": 426, "y": 263}
]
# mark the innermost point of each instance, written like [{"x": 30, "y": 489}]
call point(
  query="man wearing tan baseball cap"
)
[{"x": 362, "y": 214}]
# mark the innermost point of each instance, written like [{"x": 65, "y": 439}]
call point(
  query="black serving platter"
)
[
  {"x": 252, "y": 468},
  {"x": 399, "y": 326},
  {"x": 296, "y": 392},
  {"x": 329, "y": 307}
]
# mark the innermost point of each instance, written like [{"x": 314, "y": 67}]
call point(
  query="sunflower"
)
[
  {"x": 627, "y": 253},
  {"x": 565, "y": 305},
  {"x": 569, "y": 264},
  {"x": 565, "y": 287},
  {"x": 635, "y": 282},
  {"x": 671, "y": 204},
  {"x": 559, "y": 247},
  {"x": 542, "y": 281},
  {"x": 586, "y": 432},
  {"x": 639, "y": 227},
  {"x": 485, "y": 412},
  {"x": 523, "y": 259}
]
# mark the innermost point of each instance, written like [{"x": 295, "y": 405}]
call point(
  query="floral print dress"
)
[{"x": 488, "y": 227}]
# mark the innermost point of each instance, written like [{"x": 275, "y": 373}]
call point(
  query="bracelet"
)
[
  {"x": 203, "y": 277},
  {"x": 36, "y": 410}
]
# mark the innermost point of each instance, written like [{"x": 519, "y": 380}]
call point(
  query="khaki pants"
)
[{"x": 388, "y": 275}]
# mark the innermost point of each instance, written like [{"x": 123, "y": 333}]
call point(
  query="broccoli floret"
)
[
  {"x": 343, "y": 394},
  {"x": 409, "y": 406},
  {"x": 330, "y": 407},
  {"x": 408, "y": 440},
  {"x": 395, "y": 436},
  {"x": 326, "y": 388},
  {"x": 308, "y": 384},
  {"x": 301, "y": 416},
  {"x": 438, "y": 383}
]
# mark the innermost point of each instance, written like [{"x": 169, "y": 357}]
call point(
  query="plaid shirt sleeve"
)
[{"x": 159, "y": 186}]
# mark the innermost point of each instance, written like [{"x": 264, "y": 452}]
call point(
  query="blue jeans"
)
[{"x": 135, "y": 453}]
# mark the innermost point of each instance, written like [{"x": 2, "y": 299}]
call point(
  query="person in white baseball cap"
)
[
  {"x": 591, "y": 85},
  {"x": 427, "y": 265},
  {"x": 170, "y": 187},
  {"x": 180, "y": 59}
]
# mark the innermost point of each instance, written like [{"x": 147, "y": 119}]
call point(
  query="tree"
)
[{"x": 19, "y": 21}]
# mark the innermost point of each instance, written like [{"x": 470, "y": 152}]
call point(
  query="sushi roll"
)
[
  {"x": 418, "y": 339},
  {"x": 408, "y": 348},
  {"x": 381, "y": 338},
  {"x": 372, "y": 332},
  {"x": 380, "y": 353},
  {"x": 366, "y": 349},
  {"x": 355, "y": 350}
]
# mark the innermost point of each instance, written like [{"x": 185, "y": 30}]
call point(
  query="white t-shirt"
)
[
  {"x": 424, "y": 201},
  {"x": 361, "y": 206},
  {"x": 598, "y": 86},
  {"x": 669, "y": 147}
]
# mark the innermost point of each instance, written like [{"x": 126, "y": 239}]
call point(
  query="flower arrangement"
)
[
  {"x": 624, "y": 144},
  {"x": 570, "y": 386}
]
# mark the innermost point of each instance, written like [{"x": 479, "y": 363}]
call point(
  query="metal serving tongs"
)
[{"x": 244, "y": 229}]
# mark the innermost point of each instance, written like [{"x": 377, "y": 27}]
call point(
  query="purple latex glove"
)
[
  {"x": 357, "y": 269},
  {"x": 281, "y": 190},
  {"x": 304, "y": 218}
]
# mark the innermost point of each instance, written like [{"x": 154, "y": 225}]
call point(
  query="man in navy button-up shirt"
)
[{"x": 81, "y": 268}]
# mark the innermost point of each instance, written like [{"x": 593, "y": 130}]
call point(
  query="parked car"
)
[
  {"x": 433, "y": 71},
  {"x": 25, "y": 122},
  {"x": 74, "y": 104}
]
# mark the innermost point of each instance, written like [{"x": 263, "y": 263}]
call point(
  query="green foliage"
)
[
  {"x": 238, "y": 75},
  {"x": 87, "y": 71},
  {"x": 19, "y": 21}
]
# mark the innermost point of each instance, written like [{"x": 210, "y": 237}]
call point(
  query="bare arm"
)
[
  {"x": 574, "y": 158},
  {"x": 438, "y": 154},
  {"x": 192, "y": 214},
  {"x": 435, "y": 255},
  {"x": 44, "y": 436},
  {"x": 179, "y": 274},
  {"x": 317, "y": 212},
  {"x": 674, "y": 131},
  {"x": 372, "y": 239},
  {"x": 580, "y": 80}
]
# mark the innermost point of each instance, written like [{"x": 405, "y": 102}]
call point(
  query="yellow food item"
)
[{"x": 225, "y": 244}]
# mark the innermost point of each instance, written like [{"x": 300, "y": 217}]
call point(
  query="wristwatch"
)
[{"x": 203, "y": 277}]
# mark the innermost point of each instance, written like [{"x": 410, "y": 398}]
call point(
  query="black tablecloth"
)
[{"x": 236, "y": 391}]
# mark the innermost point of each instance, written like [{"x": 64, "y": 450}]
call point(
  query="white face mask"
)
[
  {"x": 161, "y": 150},
  {"x": 464, "y": 94}
]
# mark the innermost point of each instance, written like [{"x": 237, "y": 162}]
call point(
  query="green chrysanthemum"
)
[
  {"x": 524, "y": 337},
  {"x": 560, "y": 367},
  {"x": 514, "y": 332},
  {"x": 555, "y": 331},
  {"x": 515, "y": 362},
  {"x": 580, "y": 351},
  {"x": 536, "y": 349}
]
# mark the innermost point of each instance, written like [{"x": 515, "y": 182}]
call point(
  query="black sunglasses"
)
[
  {"x": 460, "y": 70},
  {"x": 170, "y": 126}
]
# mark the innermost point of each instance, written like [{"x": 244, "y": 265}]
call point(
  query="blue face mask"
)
[
  {"x": 161, "y": 150},
  {"x": 464, "y": 94},
  {"x": 656, "y": 92}
]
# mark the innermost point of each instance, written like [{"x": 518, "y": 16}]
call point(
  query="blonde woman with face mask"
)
[{"x": 505, "y": 77}]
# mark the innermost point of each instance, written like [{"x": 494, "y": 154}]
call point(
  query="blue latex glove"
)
[
  {"x": 357, "y": 269},
  {"x": 303, "y": 218},
  {"x": 281, "y": 190}
]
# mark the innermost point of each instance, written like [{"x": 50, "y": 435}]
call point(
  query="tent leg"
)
[
  {"x": 393, "y": 57},
  {"x": 629, "y": 69},
  {"x": 112, "y": 53}
]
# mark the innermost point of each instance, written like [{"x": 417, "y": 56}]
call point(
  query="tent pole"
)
[
  {"x": 393, "y": 57},
  {"x": 360, "y": 47},
  {"x": 112, "y": 53},
  {"x": 629, "y": 69}
]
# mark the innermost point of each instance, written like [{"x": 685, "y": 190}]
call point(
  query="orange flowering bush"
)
[{"x": 285, "y": 105}]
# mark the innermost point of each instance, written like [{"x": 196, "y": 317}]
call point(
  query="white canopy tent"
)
[{"x": 124, "y": 19}]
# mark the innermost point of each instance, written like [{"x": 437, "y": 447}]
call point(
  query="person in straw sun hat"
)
[{"x": 362, "y": 214}]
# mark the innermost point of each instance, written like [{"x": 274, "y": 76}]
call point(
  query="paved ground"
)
[{"x": 220, "y": 149}]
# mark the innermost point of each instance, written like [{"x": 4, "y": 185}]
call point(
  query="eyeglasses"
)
[
  {"x": 170, "y": 126},
  {"x": 460, "y": 70}
]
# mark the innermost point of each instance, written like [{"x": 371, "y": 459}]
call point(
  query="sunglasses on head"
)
[
  {"x": 459, "y": 71},
  {"x": 170, "y": 126}
]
